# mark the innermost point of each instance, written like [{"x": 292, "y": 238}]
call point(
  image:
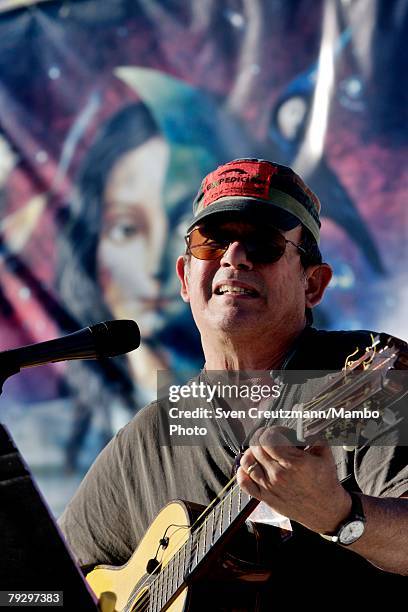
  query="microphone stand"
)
[{"x": 7, "y": 369}]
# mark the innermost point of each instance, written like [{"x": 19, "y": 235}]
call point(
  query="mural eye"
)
[{"x": 123, "y": 230}]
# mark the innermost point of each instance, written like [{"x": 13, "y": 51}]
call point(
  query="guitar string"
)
[
  {"x": 193, "y": 550},
  {"x": 199, "y": 542},
  {"x": 325, "y": 407},
  {"x": 164, "y": 576},
  {"x": 196, "y": 546},
  {"x": 227, "y": 489},
  {"x": 384, "y": 359},
  {"x": 328, "y": 402},
  {"x": 366, "y": 359},
  {"x": 329, "y": 393},
  {"x": 146, "y": 597},
  {"x": 175, "y": 578},
  {"x": 207, "y": 511},
  {"x": 329, "y": 390}
]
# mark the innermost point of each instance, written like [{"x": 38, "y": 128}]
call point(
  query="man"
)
[{"x": 252, "y": 273}]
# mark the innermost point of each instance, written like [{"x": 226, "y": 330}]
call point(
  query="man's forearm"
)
[
  {"x": 385, "y": 539},
  {"x": 302, "y": 484}
]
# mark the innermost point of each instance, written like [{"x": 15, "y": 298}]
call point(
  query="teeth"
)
[{"x": 230, "y": 289}]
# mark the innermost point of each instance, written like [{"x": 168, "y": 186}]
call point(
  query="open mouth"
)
[{"x": 231, "y": 290}]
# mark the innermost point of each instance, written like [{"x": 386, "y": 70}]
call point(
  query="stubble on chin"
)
[{"x": 235, "y": 322}]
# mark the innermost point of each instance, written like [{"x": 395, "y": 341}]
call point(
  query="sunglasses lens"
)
[
  {"x": 204, "y": 246},
  {"x": 265, "y": 248},
  {"x": 260, "y": 246}
]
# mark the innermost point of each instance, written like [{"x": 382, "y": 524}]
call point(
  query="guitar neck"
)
[
  {"x": 232, "y": 507},
  {"x": 219, "y": 523},
  {"x": 214, "y": 528}
]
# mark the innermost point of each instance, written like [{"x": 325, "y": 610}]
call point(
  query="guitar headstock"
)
[{"x": 358, "y": 403}]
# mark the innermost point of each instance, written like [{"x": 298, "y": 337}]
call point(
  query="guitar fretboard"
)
[
  {"x": 220, "y": 518},
  {"x": 233, "y": 506}
]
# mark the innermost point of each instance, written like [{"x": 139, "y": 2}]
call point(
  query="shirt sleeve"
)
[
  {"x": 382, "y": 471},
  {"x": 95, "y": 523},
  {"x": 114, "y": 504}
]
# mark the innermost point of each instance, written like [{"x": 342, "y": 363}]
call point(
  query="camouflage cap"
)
[{"x": 258, "y": 189}]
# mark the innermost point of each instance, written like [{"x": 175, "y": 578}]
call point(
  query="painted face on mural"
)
[{"x": 133, "y": 239}]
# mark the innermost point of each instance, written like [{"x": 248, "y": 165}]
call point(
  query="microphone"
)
[{"x": 107, "y": 339}]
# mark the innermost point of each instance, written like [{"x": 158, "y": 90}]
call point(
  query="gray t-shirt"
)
[{"x": 135, "y": 476}]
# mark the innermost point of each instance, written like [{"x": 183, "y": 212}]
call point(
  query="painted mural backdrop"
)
[{"x": 110, "y": 114}]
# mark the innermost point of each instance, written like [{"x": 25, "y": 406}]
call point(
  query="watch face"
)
[{"x": 351, "y": 532}]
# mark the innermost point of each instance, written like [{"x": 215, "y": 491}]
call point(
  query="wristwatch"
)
[{"x": 351, "y": 529}]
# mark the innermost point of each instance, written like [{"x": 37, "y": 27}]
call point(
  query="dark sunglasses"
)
[{"x": 261, "y": 246}]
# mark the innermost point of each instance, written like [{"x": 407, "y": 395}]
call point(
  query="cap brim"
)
[{"x": 249, "y": 210}]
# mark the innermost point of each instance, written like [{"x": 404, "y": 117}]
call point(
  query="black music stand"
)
[{"x": 33, "y": 553}]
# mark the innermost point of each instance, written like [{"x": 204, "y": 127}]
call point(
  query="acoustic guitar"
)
[{"x": 185, "y": 545}]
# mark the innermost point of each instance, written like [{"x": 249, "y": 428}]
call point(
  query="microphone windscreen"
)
[{"x": 113, "y": 338}]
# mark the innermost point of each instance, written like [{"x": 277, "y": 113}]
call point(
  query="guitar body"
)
[
  {"x": 128, "y": 578},
  {"x": 227, "y": 576}
]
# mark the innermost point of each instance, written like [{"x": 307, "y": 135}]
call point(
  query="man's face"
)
[{"x": 233, "y": 295}]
